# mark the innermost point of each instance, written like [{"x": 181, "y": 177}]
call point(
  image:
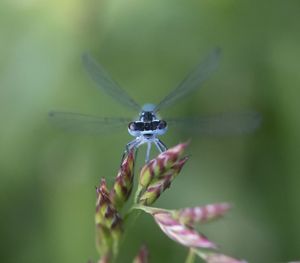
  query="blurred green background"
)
[{"x": 48, "y": 176}]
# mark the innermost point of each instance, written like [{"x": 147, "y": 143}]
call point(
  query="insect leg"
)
[
  {"x": 158, "y": 146},
  {"x": 128, "y": 148},
  {"x": 148, "y": 152},
  {"x": 161, "y": 146}
]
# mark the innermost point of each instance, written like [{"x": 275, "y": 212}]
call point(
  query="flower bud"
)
[
  {"x": 161, "y": 182},
  {"x": 160, "y": 164},
  {"x": 106, "y": 214},
  {"x": 122, "y": 187},
  {"x": 108, "y": 221}
]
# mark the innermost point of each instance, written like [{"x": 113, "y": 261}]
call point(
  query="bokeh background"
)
[{"x": 47, "y": 193}]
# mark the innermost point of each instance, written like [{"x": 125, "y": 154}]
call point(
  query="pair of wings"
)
[{"x": 233, "y": 123}]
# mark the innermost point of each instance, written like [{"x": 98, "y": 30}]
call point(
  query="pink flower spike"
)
[
  {"x": 201, "y": 214},
  {"x": 180, "y": 233},
  {"x": 220, "y": 258}
]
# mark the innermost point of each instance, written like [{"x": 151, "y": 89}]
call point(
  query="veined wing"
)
[
  {"x": 192, "y": 80},
  {"x": 87, "y": 124},
  {"x": 220, "y": 125},
  {"x": 104, "y": 82}
]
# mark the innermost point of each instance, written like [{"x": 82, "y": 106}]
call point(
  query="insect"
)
[{"x": 148, "y": 127}]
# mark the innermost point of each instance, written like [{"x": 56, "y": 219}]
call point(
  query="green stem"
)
[
  {"x": 129, "y": 220},
  {"x": 191, "y": 256},
  {"x": 149, "y": 209}
]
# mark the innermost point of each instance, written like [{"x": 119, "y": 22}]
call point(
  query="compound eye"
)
[
  {"x": 162, "y": 125},
  {"x": 132, "y": 126}
]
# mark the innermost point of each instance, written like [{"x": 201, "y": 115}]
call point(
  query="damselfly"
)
[{"x": 148, "y": 126}]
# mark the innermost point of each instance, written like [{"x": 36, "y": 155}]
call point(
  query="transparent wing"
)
[
  {"x": 192, "y": 80},
  {"x": 220, "y": 125},
  {"x": 76, "y": 122},
  {"x": 104, "y": 82}
]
